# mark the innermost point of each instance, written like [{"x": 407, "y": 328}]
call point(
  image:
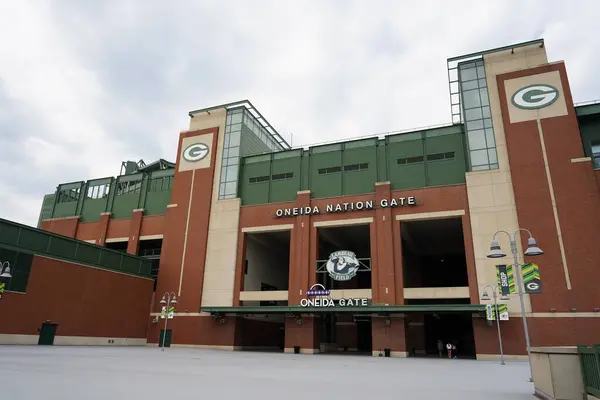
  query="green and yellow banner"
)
[
  {"x": 506, "y": 279},
  {"x": 492, "y": 313},
  {"x": 531, "y": 278}
]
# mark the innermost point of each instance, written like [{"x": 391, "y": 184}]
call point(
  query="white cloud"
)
[{"x": 83, "y": 87}]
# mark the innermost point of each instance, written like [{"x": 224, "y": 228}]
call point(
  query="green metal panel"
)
[
  {"x": 329, "y": 184},
  {"x": 254, "y": 192},
  {"x": 445, "y": 171},
  {"x": 285, "y": 189},
  {"x": 589, "y": 127},
  {"x": 20, "y": 267},
  {"x": 410, "y": 175},
  {"x": 362, "y": 180},
  {"x": 382, "y": 171},
  {"x": 92, "y": 209},
  {"x": 305, "y": 185},
  {"x": 124, "y": 205},
  {"x": 250, "y": 144},
  {"x": 47, "y": 207},
  {"x": 589, "y": 359},
  {"x": 588, "y": 109},
  {"x": 28, "y": 240},
  {"x": 158, "y": 192}
]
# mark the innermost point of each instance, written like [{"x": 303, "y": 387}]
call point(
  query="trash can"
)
[
  {"x": 296, "y": 349},
  {"x": 388, "y": 352}
]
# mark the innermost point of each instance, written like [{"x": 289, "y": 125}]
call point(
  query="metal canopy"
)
[{"x": 372, "y": 309}]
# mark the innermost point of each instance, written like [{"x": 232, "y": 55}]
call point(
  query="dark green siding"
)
[
  {"x": 589, "y": 126},
  {"x": 251, "y": 144},
  {"x": 47, "y": 206},
  {"x": 20, "y": 268},
  {"x": 412, "y": 160}
]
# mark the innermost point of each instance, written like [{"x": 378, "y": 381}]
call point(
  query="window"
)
[
  {"x": 160, "y": 184},
  {"x": 440, "y": 156},
  {"x": 286, "y": 175},
  {"x": 68, "y": 195},
  {"x": 410, "y": 160},
  {"x": 98, "y": 191},
  {"x": 356, "y": 167},
  {"x": 131, "y": 187},
  {"x": 330, "y": 170},
  {"x": 258, "y": 179},
  {"x": 596, "y": 154}
]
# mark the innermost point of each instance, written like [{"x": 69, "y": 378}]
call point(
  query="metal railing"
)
[{"x": 589, "y": 358}]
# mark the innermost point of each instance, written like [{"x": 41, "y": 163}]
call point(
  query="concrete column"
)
[{"x": 134, "y": 231}]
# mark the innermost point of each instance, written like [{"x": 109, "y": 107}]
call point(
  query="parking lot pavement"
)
[{"x": 94, "y": 373}]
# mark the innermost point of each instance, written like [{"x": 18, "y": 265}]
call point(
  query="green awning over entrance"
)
[{"x": 371, "y": 309}]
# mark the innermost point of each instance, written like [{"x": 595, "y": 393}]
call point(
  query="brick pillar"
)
[
  {"x": 102, "y": 228},
  {"x": 398, "y": 264},
  {"x": 390, "y": 336},
  {"x": 300, "y": 252},
  {"x": 470, "y": 259},
  {"x": 134, "y": 231},
  {"x": 303, "y": 334},
  {"x": 384, "y": 265}
]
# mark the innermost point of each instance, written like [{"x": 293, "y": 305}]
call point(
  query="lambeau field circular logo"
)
[
  {"x": 533, "y": 97},
  {"x": 195, "y": 152},
  {"x": 342, "y": 265}
]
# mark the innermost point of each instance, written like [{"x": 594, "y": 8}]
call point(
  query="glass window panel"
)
[
  {"x": 482, "y": 83},
  {"x": 230, "y": 187},
  {"x": 471, "y": 98},
  {"x": 223, "y": 174},
  {"x": 494, "y": 166},
  {"x": 233, "y": 161},
  {"x": 453, "y": 75},
  {"x": 222, "y": 189},
  {"x": 477, "y": 139},
  {"x": 469, "y": 85},
  {"x": 473, "y": 113},
  {"x": 481, "y": 72},
  {"x": 234, "y": 151},
  {"x": 228, "y": 129},
  {"x": 478, "y": 62},
  {"x": 489, "y": 138},
  {"x": 479, "y": 157},
  {"x": 236, "y": 118},
  {"x": 472, "y": 125},
  {"x": 232, "y": 172},
  {"x": 480, "y": 168},
  {"x": 234, "y": 138},
  {"x": 226, "y": 140},
  {"x": 486, "y": 112},
  {"x": 485, "y": 101},
  {"x": 225, "y": 153},
  {"x": 468, "y": 74},
  {"x": 493, "y": 157},
  {"x": 228, "y": 119},
  {"x": 487, "y": 123},
  {"x": 236, "y": 127}
]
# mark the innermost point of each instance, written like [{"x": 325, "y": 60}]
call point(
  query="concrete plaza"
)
[{"x": 94, "y": 373}]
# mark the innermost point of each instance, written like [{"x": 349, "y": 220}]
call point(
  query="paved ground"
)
[{"x": 94, "y": 373}]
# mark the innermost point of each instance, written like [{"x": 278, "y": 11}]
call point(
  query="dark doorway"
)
[
  {"x": 450, "y": 328},
  {"x": 364, "y": 342},
  {"x": 47, "y": 334},
  {"x": 167, "y": 339}
]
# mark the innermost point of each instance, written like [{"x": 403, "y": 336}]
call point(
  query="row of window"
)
[
  {"x": 430, "y": 157},
  {"x": 101, "y": 191},
  {"x": 275, "y": 177},
  {"x": 350, "y": 167}
]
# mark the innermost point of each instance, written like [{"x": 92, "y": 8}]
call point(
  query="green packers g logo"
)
[
  {"x": 195, "y": 152},
  {"x": 533, "y": 97}
]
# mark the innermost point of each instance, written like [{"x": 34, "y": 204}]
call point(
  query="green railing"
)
[
  {"x": 589, "y": 358},
  {"x": 26, "y": 239}
]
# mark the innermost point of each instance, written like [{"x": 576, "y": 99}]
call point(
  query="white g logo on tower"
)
[
  {"x": 195, "y": 152},
  {"x": 533, "y": 97}
]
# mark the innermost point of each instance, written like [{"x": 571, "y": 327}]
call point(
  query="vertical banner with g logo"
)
[
  {"x": 506, "y": 279},
  {"x": 531, "y": 278}
]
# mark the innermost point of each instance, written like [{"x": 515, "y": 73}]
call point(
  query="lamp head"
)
[
  {"x": 495, "y": 250},
  {"x": 485, "y": 295},
  {"x": 174, "y": 300},
  {"x": 6, "y": 273},
  {"x": 163, "y": 300},
  {"x": 532, "y": 248}
]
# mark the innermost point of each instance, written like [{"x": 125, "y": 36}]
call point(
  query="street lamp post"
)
[
  {"x": 168, "y": 299},
  {"x": 485, "y": 296},
  {"x": 5, "y": 276},
  {"x": 532, "y": 250}
]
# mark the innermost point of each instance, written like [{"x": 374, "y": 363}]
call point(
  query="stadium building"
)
[{"x": 375, "y": 245}]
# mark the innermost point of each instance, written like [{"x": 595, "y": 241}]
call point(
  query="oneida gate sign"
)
[{"x": 348, "y": 206}]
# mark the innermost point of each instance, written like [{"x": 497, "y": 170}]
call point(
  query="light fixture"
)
[
  {"x": 532, "y": 248},
  {"x": 495, "y": 250},
  {"x": 485, "y": 296},
  {"x": 6, "y": 273},
  {"x": 504, "y": 298},
  {"x": 174, "y": 300},
  {"x": 163, "y": 301}
]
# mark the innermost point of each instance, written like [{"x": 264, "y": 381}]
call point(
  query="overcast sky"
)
[{"x": 85, "y": 85}]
